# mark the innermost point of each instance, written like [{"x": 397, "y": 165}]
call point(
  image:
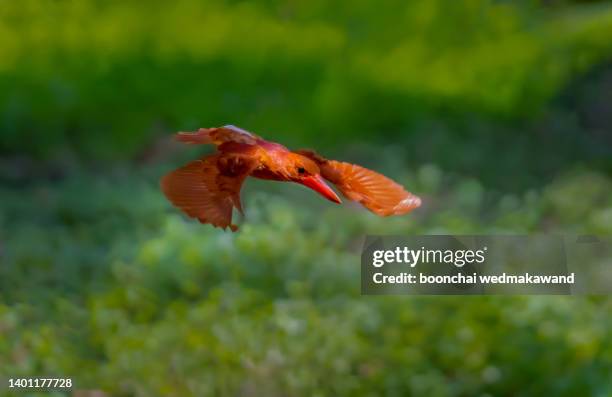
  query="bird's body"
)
[{"x": 209, "y": 188}]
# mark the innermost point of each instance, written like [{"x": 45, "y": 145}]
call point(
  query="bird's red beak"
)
[{"x": 316, "y": 183}]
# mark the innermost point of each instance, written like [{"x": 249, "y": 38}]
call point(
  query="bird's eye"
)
[{"x": 301, "y": 170}]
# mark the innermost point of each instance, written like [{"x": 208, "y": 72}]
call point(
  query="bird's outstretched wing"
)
[
  {"x": 218, "y": 136},
  {"x": 374, "y": 191},
  {"x": 208, "y": 189}
]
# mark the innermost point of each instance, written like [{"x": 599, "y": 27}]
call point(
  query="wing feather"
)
[
  {"x": 218, "y": 136},
  {"x": 374, "y": 191},
  {"x": 207, "y": 189}
]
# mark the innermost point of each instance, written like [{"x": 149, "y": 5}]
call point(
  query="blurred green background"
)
[{"x": 497, "y": 113}]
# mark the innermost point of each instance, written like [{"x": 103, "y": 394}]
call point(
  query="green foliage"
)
[
  {"x": 152, "y": 304},
  {"x": 102, "y": 281},
  {"x": 104, "y": 77}
]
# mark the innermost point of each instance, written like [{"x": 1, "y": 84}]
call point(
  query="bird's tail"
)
[{"x": 200, "y": 137}]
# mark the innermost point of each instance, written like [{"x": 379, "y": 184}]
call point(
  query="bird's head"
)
[{"x": 302, "y": 170}]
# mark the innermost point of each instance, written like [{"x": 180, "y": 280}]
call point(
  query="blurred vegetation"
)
[
  {"x": 128, "y": 297},
  {"x": 104, "y": 78},
  {"x": 497, "y": 113}
]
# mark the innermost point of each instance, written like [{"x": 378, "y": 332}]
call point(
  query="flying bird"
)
[{"x": 208, "y": 189}]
